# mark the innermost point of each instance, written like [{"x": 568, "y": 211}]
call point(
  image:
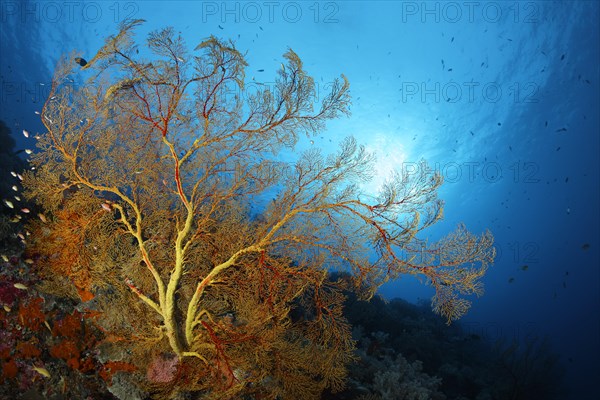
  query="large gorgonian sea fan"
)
[{"x": 147, "y": 174}]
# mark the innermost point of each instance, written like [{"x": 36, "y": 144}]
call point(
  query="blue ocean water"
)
[{"x": 501, "y": 97}]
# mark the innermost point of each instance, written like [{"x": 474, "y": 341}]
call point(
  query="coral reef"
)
[
  {"x": 403, "y": 352},
  {"x": 154, "y": 242},
  {"x": 390, "y": 376}
]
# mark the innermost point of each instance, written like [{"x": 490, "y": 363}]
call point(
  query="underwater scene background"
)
[{"x": 500, "y": 98}]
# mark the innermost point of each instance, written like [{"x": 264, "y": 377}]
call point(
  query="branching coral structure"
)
[{"x": 146, "y": 177}]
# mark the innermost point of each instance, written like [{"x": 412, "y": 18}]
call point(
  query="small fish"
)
[
  {"x": 20, "y": 177},
  {"x": 4, "y": 258},
  {"x": 20, "y": 236},
  {"x": 20, "y": 286},
  {"x": 106, "y": 206},
  {"x": 525, "y": 267},
  {"x": 567, "y": 179},
  {"x": 17, "y": 198},
  {"x": 42, "y": 371},
  {"x": 546, "y": 124},
  {"x": 25, "y": 133},
  {"x": 81, "y": 61},
  {"x": 28, "y": 261},
  {"x": 15, "y": 188},
  {"x": 25, "y": 210},
  {"x": 561, "y": 130},
  {"x": 9, "y": 204},
  {"x": 28, "y": 151},
  {"x": 13, "y": 173},
  {"x": 511, "y": 280},
  {"x": 42, "y": 217},
  {"x": 562, "y": 57},
  {"x": 585, "y": 246},
  {"x": 37, "y": 112},
  {"x": 220, "y": 27},
  {"x": 564, "y": 285},
  {"x": 6, "y": 308}
]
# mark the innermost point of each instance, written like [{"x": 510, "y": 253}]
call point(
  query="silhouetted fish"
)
[
  {"x": 80, "y": 61},
  {"x": 585, "y": 246}
]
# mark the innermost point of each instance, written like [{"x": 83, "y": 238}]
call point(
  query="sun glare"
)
[{"x": 390, "y": 156}]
